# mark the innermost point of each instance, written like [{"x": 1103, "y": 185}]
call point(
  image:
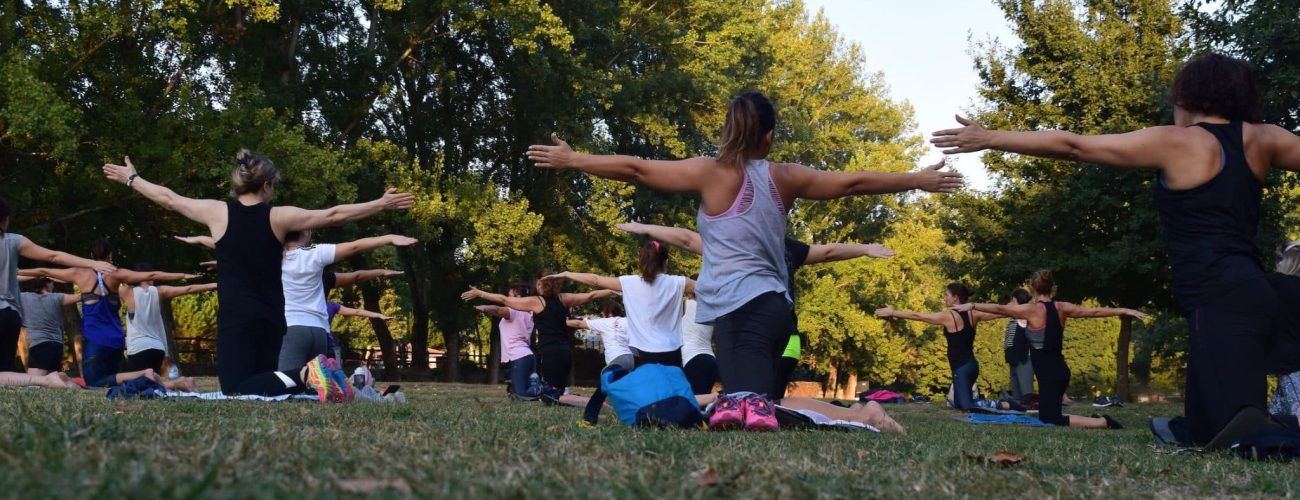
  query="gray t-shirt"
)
[
  {"x": 9, "y": 273},
  {"x": 44, "y": 318}
]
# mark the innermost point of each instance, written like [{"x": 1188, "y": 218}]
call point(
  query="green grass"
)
[{"x": 469, "y": 441}]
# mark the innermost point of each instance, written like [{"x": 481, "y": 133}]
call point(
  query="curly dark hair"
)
[{"x": 1215, "y": 84}]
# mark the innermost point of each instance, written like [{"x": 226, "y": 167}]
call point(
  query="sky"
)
[{"x": 922, "y": 49}]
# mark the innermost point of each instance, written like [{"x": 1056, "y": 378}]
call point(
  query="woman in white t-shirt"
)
[
  {"x": 698, "y": 360},
  {"x": 307, "y": 335},
  {"x": 653, "y": 300}
]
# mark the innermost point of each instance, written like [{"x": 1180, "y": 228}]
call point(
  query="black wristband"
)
[{"x": 131, "y": 179}]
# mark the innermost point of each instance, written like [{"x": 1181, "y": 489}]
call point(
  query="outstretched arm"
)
[
  {"x": 675, "y": 176},
  {"x": 346, "y": 279},
  {"x": 577, "y": 299},
  {"x": 595, "y": 280},
  {"x": 1072, "y": 311},
  {"x": 528, "y": 304},
  {"x": 171, "y": 292},
  {"x": 203, "y": 241},
  {"x": 498, "y": 311},
  {"x": 811, "y": 184},
  {"x": 132, "y": 277},
  {"x": 1021, "y": 311},
  {"x": 1284, "y": 146},
  {"x": 844, "y": 251},
  {"x": 682, "y": 238},
  {"x": 285, "y": 219},
  {"x": 937, "y": 318},
  {"x": 580, "y": 324},
  {"x": 344, "y": 250},
  {"x": 1154, "y": 147},
  {"x": 68, "y": 275},
  {"x": 362, "y": 313},
  {"x": 206, "y": 212},
  {"x": 39, "y": 253},
  {"x": 71, "y": 299}
]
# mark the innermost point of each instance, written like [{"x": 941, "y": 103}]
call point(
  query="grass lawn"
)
[{"x": 469, "y": 441}]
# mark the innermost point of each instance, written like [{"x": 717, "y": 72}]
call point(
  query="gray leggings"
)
[{"x": 301, "y": 344}]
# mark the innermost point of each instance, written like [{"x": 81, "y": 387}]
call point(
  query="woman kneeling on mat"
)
[
  {"x": 959, "y": 330},
  {"x": 1046, "y": 332},
  {"x": 516, "y": 329}
]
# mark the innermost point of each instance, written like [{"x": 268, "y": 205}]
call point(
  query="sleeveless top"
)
[
  {"x": 248, "y": 279},
  {"x": 744, "y": 247},
  {"x": 144, "y": 327},
  {"x": 1015, "y": 347},
  {"x": 1050, "y": 339},
  {"x": 43, "y": 317},
  {"x": 1210, "y": 229},
  {"x": 961, "y": 343},
  {"x": 552, "y": 323},
  {"x": 100, "y": 321},
  {"x": 9, "y": 292}
]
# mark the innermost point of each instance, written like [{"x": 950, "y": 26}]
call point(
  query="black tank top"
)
[
  {"x": 248, "y": 274},
  {"x": 1053, "y": 331},
  {"x": 551, "y": 323},
  {"x": 961, "y": 343},
  {"x": 1210, "y": 229}
]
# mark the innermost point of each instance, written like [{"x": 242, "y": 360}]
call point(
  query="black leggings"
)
[
  {"x": 148, "y": 358},
  {"x": 10, "y": 323},
  {"x": 750, "y": 340},
  {"x": 247, "y": 349},
  {"x": 1228, "y": 344},
  {"x": 671, "y": 358},
  {"x": 1053, "y": 378},
  {"x": 557, "y": 360},
  {"x": 702, "y": 372},
  {"x": 270, "y": 384},
  {"x": 784, "y": 372}
]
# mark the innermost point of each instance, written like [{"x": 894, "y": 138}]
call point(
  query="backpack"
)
[{"x": 651, "y": 395}]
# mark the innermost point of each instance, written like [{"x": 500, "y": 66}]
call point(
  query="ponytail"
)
[
  {"x": 653, "y": 260},
  {"x": 750, "y": 118}
]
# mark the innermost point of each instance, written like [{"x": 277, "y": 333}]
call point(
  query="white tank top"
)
[
  {"x": 144, "y": 329},
  {"x": 697, "y": 339}
]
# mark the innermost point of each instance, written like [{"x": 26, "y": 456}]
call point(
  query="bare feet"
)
[
  {"x": 183, "y": 384},
  {"x": 875, "y": 416}
]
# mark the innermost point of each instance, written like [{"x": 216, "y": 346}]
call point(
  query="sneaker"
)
[
  {"x": 1107, "y": 401},
  {"x": 760, "y": 414},
  {"x": 320, "y": 378},
  {"x": 346, "y": 391},
  {"x": 728, "y": 413}
]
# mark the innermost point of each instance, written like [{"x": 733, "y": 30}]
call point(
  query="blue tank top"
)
[
  {"x": 1210, "y": 230},
  {"x": 744, "y": 248},
  {"x": 100, "y": 321}
]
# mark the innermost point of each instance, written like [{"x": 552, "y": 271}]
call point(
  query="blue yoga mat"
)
[{"x": 979, "y": 418}]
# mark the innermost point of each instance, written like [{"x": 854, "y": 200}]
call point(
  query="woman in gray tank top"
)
[
  {"x": 743, "y": 204},
  {"x": 43, "y": 319},
  {"x": 11, "y": 307}
]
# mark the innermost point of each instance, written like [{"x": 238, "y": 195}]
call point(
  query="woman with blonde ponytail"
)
[
  {"x": 249, "y": 235},
  {"x": 743, "y": 203}
]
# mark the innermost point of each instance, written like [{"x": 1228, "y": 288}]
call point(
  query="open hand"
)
[
  {"x": 472, "y": 294},
  {"x": 119, "y": 173},
  {"x": 394, "y": 200},
  {"x": 885, "y": 312},
  {"x": 631, "y": 227},
  {"x": 388, "y": 273},
  {"x": 933, "y": 179},
  {"x": 560, "y": 155},
  {"x": 878, "y": 251},
  {"x": 971, "y": 137},
  {"x": 398, "y": 240}
]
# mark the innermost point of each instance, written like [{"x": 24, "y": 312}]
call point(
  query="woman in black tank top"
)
[
  {"x": 1046, "y": 332},
  {"x": 959, "y": 331},
  {"x": 1209, "y": 167},
  {"x": 550, "y": 308},
  {"x": 249, "y": 235}
]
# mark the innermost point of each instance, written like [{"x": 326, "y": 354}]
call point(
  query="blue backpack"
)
[{"x": 653, "y": 394}]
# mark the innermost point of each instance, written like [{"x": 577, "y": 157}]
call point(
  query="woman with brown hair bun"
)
[
  {"x": 1046, "y": 332},
  {"x": 550, "y": 310},
  {"x": 249, "y": 235}
]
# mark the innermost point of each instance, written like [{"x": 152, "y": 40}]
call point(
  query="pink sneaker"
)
[
  {"x": 728, "y": 413},
  {"x": 760, "y": 414}
]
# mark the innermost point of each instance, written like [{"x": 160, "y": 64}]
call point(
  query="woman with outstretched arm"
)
[
  {"x": 249, "y": 237},
  {"x": 1046, "y": 331},
  {"x": 742, "y": 218},
  {"x": 1209, "y": 170}
]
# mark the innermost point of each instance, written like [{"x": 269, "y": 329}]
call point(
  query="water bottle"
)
[
  {"x": 173, "y": 372},
  {"x": 359, "y": 377},
  {"x": 534, "y": 385}
]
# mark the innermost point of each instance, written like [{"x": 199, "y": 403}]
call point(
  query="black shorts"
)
[
  {"x": 46, "y": 356},
  {"x": 148, "y": 358}
]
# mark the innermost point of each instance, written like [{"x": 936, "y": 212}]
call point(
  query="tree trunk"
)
[
  {"x": 494, "y": 352},
  {"x": 1121, "y": 358},
  {"x": 850, "y": 387},
  {"x": 832, "y": 382},
  {"x": 451, "y": 339},
  {"x": 370, "y": 301}
]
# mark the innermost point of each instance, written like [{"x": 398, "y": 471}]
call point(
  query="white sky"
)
[{"x": 922, "y": 49}]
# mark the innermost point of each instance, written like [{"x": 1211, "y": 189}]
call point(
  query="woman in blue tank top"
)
[
  {"x": 249, "y": 235},
  {"x": 743, "y": 204},
  {"x": 1210, "y": 165}
]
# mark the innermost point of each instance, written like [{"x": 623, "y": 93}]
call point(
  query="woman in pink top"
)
[{"x": 516, "y": 328}]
